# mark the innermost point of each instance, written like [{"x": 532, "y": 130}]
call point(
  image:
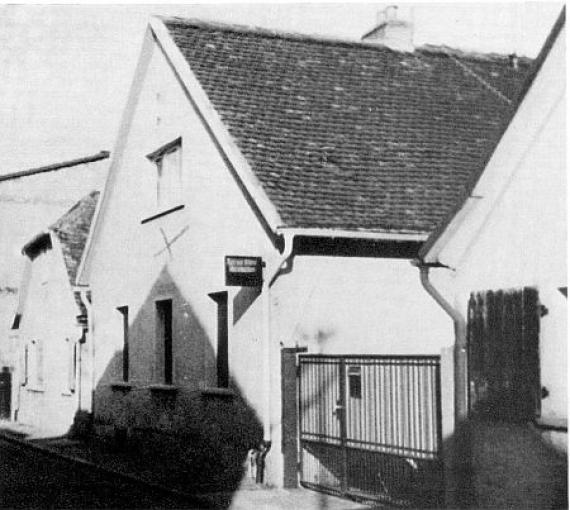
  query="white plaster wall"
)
[
  {"x": 49, "y": 315},
  {"x": 330, "y": 304},
  {"x": 337, "y": 305},
  {"x": 523, "y": 241},
  {"x": 216, "y": 220}
]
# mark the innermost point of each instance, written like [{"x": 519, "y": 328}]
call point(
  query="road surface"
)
[{"x": 32, "y": 479}]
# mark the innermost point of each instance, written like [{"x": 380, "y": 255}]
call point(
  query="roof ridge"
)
[
  {"x": 327, "y": 39},
  {"x": 56, "y": 166}
]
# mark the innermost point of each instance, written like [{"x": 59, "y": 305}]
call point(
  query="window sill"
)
[
  {"x": 558, "y": 425},
  {"x": 121, "y": 386},
  {"x": 162, "y": 213},
  {"x": 218, "y": 392},
  {"x": 163, "y": 388},
  {"x": 67, "y": 393},
  {"x": 35, "y": 389}
]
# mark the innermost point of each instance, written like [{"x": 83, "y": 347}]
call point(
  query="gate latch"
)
[{"x": 338, "y": 408}]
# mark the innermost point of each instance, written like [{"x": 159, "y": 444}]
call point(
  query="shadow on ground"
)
[{"x": 498, "y": 464}]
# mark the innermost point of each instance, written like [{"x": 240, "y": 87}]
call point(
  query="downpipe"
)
[
  {"x": 459, "y": 348},
  {"x": 269, "y": 279}
]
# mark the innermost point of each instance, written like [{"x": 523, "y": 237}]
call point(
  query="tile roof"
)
[
  {"x": 424, "y": 253},
  {"x": 352, "y": 135},
  {"x": 72, "y": 230}
]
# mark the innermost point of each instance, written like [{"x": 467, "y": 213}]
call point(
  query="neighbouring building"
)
[
  {"x": 266, "y": 196},
  {"x": 30, "y": 200},
  {"x": 500, "y": 259},
  {"x": 498, "y": 266},
  {"x": 54, "y": 369}
]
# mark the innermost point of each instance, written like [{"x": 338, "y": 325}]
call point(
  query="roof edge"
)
[
  {"x": 124, "y": 126},
  {"x": 354, "y": 234},
  {"x": 217, "y": 128},
  {"x": 56, "y": 166},
  {"x": 427, "y": 253},
  {"x": 326, "y": 39}
]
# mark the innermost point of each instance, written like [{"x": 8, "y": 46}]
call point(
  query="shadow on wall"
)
[
  {"x": 194, "y": 438},
  {"x": 501, "y": 464}
]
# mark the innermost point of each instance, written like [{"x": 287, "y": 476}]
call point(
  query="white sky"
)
[{"x": 66, "y": 69}]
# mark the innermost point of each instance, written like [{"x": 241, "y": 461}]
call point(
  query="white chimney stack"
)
[{"x": 392, "y": 31}]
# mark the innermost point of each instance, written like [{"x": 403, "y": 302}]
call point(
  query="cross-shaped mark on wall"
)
[{"x": 168, "y": 243}]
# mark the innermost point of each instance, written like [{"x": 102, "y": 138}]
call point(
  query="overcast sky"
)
[{"x": 66, "y": 69}]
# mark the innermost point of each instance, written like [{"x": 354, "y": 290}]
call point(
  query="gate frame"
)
[{"x": 344, "y": 492}]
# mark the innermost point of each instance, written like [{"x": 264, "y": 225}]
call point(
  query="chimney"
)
[{"x": 392, "y": 32}]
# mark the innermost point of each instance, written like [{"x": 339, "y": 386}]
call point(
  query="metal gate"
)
[{"x": 370, "y": 427}]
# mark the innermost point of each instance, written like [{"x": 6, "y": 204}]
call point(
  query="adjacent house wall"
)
[
  {"x": 518, "y": 237},
  {"x": 524, "y": 244},
  {"x": 48, "y": 317}
]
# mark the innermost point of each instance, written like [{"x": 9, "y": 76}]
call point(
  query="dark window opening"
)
[
  {"x": 222, "y": 362},
  {"x": 124, "y": 311},
  {"x": 164, "y": 319},
  {"x": 16, "y": 322},
  {"x": 354, "y": 382}
]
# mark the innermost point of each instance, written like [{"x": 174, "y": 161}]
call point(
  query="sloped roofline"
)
[
  {"x": 214, "y": 123},
  {"x": 128, "y": 112},
  {"x": 158, "y": 34},
  {"x": 331, "y": 39},
  {"x": 220, "y": 132},
  {"x": 429, "y": 252},
  {"x": 56, "y": 166}
]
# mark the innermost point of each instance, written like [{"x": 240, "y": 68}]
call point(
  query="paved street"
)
[{"x": 31, "y": 479}]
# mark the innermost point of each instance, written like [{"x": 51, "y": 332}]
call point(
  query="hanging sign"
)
[{"x": 243, "y": 271}]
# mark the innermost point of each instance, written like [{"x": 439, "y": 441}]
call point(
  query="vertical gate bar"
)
[
  {"x": 438, "y": 407},
  {"x": 300, "y": 470},
  {"x": 420, "y": 412},
  {"x": 326, "y": 400},
  {"x": 388, "y": 402},
  {"x": 343, "y": 413},
  {"x": 376, "y": 403},
  {"x": 409, "y": 411},
  {"x": 363, "y": 406},
  {"x": 414, "y": 443},
  {"x": 399, "y": 401},
  {"x": 429, "y": 398},
  {"x": 392, "y": 397}
]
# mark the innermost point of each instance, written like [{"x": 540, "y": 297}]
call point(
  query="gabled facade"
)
[
  {"x": 53, "y": 383},
  {"x": 29, "y": 200},
  {"x": 506, "y": 241},
  {"x": 331, "y": 162}
]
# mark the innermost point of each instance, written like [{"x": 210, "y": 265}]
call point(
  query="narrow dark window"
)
[
  {"x": 222, "y": 361},
  {"x": 124, "y": 311},
  {"x": 164, "y": 329}
]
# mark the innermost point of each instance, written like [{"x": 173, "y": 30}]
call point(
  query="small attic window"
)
[
  {"x": 168, "y": 161},
  {"x": 16, "y": 321}
]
